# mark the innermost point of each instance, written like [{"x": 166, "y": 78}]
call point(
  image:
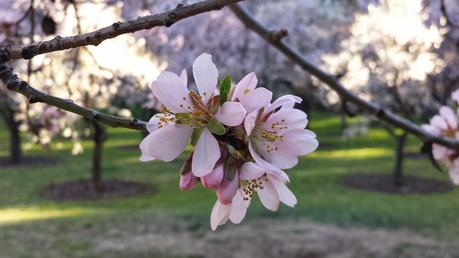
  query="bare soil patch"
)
[
  {"x": 384, "y": 183},
  {"x": 268, "y": 238},
  {"x": 85, "y": 191},
  {"x": 29, "y": 161}
]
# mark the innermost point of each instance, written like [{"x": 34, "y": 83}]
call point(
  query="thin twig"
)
[
  {"x": 293, "y": 55},
  {"x": 118, "y": 28}
]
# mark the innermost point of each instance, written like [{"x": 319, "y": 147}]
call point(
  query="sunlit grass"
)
[
  {"x": 353, "y": 153},
  {"x": 19, "y": 215}
]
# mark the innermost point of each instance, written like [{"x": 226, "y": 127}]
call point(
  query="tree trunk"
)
[
  {"x": 342, "y": 122},
  {"x": 399, "y": 155},
  {"x": 99, "y": 136},
  {"x": 15, "y": 154}
]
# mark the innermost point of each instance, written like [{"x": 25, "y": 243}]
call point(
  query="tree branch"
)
[
  {"x": 335, "y": 85},
  {"x": 118, "y": 28},
  {"x": 12, "y": 82}
]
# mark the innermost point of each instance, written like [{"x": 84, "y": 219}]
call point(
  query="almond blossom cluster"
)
[
  {"x": 241, "y": 138},
  {"x": 446, "y": 123}
]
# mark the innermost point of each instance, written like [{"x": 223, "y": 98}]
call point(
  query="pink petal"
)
[
  {"x": 227, "y": 189},
  {"x": 282, "y": 154},
  {"x": 439, "y": 122},
  {"x": 188, "y": 181},
  {"x": 213, "y": 179},
  {"x": 287, "y": 119},
  {"x": 171, "y": 92},
  {"x": 450, "y": 117},
  {"x": 219, "y": 215},
  {"x": 286, "y": 101},
  {"x": 184, "y": 77},
  {"x": 206, "y": 154},
  {"x": 258, "y": 98},
  {"x": 245, "y": 86},
  {"x": 455, "y": 96},
  {"x": 250, "y": 122},
  {"x": 269, "y": 168},
  {"x": 166, "y": 143},
  {"x": 205, "y": 75},
  {"x": 231, "y": 114},
  {"x": 156, "y": 122},
  {"x": 303, "y": 138},
  {"x": 251, "y": 171},
  {"x": 238, "y": 208},
  {"x": 268, "y": 196},
  {"x": 285, "y": 195},
  {"x": 430, "y": 129}
]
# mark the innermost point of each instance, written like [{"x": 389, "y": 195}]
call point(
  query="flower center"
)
[{"x": 252, "y": 186}]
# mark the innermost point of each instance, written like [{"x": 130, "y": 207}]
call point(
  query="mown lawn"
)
[{"x": 29, "y": 223}]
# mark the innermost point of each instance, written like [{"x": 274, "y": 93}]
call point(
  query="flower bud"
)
[
  {"x": 188, "y": 181},
  {"x": 213, "y": 179},
  {"x": 227, "y": 189}
]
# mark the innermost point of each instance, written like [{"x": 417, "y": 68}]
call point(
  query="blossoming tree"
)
[{"x": 242, "y": 140}]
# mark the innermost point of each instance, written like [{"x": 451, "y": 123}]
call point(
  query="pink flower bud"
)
[
  {"x": 188, "y": 181},
  {"x": 227, "y": 189},
  {"x": 213, "y": 179}
]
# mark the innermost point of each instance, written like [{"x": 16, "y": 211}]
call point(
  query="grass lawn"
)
[{"x": 30, "y": 225}]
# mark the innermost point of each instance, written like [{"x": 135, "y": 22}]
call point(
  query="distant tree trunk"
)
[
  {"x": 15, "y": 154},
  {"x": 399, "y": 156},
  {"x": 99, "y": 136},
  {"x": 342, "y": 122}
]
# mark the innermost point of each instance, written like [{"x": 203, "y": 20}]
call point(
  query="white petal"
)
[
  {"x": 282, "y": 154},
  {"x": 249, "y": 122},
  {"x": 285, "y": 195},
  {"x": 287, "y": 119},
  {"x": 250, "y": 171},
  {"x": 206, "y": 154},
  {"x": 156, "y": 122},
  {"x": 166, "y": 143},
  {"x": 268, "y": 196},
  {"x": 184, "y": 77},
  {"x": 270, "y": 169},
  {"x": 231, "y": 114},
  {"x": 219, "y": 215},
  {"x": 171, "y": 92},
  {"x": 238, "y": 208},
  {"x": 205, "y": 75},
  {"x": 245, "y": 86},
  {"x": 303, "y": 138},
  {"x": 286, "y": 101},
  {"x": 450, "y": 117},
  {"x": 258, "y": 98},
  {"x": 439, "y": 122}
]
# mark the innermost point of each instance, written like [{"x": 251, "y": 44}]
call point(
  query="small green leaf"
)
[
  {"x": 216, "y": 127},
  {"x": 195, "y": 136},
  {"x": 225, "y": 87}
]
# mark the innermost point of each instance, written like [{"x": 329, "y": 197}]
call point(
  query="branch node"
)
[
  {"x": 277, "y": 35},
  {"x": 95, "y": 115},
  {"x": 27, "y": 52},
  {"x": 116, "y": 25}
]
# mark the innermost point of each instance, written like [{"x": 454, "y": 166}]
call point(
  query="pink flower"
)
[
  {"x": 185, "y": 112},
  {"x": 443, "y": 124},
  {"x": 270, "y": 188},
  {"x": 280, "y": 136},
  {"x": 188, "y": 181},
  {"x": 455, "y": 96}
]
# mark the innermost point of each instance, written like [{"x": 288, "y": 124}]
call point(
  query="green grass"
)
[{"x": 24, "y": 213}]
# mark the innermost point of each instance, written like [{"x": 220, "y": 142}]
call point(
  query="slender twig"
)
[
  {"x": 33, "y": 95},
  {"x": 118, "y": 28},
  {"x": 293, "y": 55}
]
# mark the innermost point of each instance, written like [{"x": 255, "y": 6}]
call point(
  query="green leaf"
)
[
  {"x": 225, "y": 87},
  {"x": 216, "y": 127},
  {"x": 195, "y": 136}
]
